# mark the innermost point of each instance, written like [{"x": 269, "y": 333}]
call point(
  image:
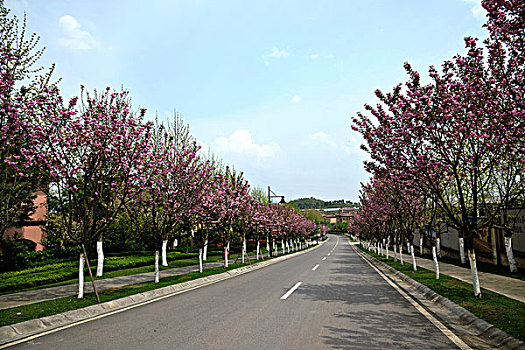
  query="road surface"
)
[{"x": 329, "y": 298}]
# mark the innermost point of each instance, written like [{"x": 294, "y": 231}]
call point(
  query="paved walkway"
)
[
  {"x": 509, "y": 287},
  {"x": 38, "y": 295}
]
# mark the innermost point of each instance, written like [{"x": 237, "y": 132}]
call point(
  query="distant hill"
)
[{"x": 314, "y": 203}]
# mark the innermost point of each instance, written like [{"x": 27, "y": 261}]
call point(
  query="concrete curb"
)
[
  {"x": 487, "y": 331},
  {"x": 30, "y": 329}
]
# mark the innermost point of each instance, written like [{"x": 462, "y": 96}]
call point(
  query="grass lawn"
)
[
  {"x": 505, "y": 313},
  {"x": 67, "y": 272}
]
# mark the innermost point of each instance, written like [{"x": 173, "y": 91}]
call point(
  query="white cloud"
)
[
  {"x": 477, "y": 10},
  {"x": 324, "y": 138},
  {"x": 314, "y": 56},
  {"x": 74, "y": 37},
  {"x": 274, "y": 54},
  {"x": 348, "y": 147},
  {"x": 296, "y": 99},
  {"x": 241, "y": 142}
]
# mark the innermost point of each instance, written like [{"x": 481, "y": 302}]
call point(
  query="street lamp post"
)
[{"x": 271, "y": 195}]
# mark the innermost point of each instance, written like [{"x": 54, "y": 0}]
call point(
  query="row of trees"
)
[
  {"x": 451, "y": 150},
  {"x": 100, "y": 161}
]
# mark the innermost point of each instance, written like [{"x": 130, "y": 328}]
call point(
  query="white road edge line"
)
[
  {"x": 287, "y": 294},
  {"x": 329, "y": 254},
  {"x": 323, "y": 259},
  {"x": 315, "y": 267},
  {"x": 450, "y": 335}
]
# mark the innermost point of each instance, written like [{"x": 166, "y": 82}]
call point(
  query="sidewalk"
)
[
  {"x": 509, "y": 287},
  {"x": 38, "y": 295}
]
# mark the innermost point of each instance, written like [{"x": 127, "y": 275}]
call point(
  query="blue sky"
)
[{"x": 268, "y": 86}]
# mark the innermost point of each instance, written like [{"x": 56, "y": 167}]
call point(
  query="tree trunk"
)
[
  {"x": 164, "y": 257},
  {"x": 267, "y": 246},
  {"x": 510, "y": 254},
  {"x": 438, "y": 247},
  {"x": 81, "y": 277},
  {"x": 200, "y": 260},
  {"x": 90, "y": 273},
  {"x": 282, "y": 243},
  {"x": 474, "y": 270},
  {"x": 157, "y": 273},
  {"x": 401, "y": 253},
  {"x": 205, "y": 253},
  {"x": 436, "y": 263},
  {"x": 387, "y": 251},
  {"x": 258, "y": 249},
  {"x": 421, "y": 245},
  {"x": 100, "y": 259},
  {"x": 225, "y": 256},
  {"x": 462, "y": 250},
  {"x": 243, "y": 250},
  {"x": 395, "y": 252},
  {"x": 414, "y": 266},
  {"x": 494, "y": 246}
]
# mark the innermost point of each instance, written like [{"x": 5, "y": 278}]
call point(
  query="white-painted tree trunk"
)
[
  {"x": 282, "y": 243},
  {"x": 157, "y": 271},
  {"x": 226, "y": 256},
  {"x": 421, "y": 246},
  {"x": 205, "y": 253},
  {"x": 414, "y": 266},
  {"x": 510, "y": 254},
  {"x": 387, "y": 250},
  {"x": 164, "y": 257},
  {"x": 438, "y": 247},
  {"x": 395, "y": 252},
  {"x": 474, "y": 270},
  {"x": 100, "y": 259},
  {"x": 401, "y": 253},
  {"x": 436, "y": 263},
  {"x": 462, "y": 250},
  {"x": 81, "y": 277},
  {"x": 200, "y": 260},
  {"x": 243, "y": 250},
  {"x": 175, "y": 243},
  {"x": 267, "y": 246},
  {"x": 258, "y": 249}
]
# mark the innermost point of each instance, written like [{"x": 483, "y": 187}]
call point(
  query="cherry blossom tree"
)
[
  {"x": 92, "y": 156},
  {"x": 18, "y": 179}
]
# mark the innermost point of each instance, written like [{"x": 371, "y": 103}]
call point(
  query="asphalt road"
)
[{"x": 342, "y": 304}]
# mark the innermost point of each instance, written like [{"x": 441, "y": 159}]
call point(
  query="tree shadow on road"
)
[{"x": 371, "y": 315}]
